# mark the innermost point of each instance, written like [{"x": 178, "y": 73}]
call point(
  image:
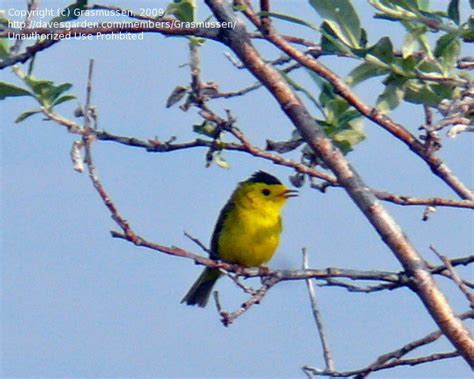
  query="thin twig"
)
[
  {"x": 264, "y": 19},
  {"x": 32, "y": 6},
  {"x": 354, "y": 288},
  {"x": 253, "y": 87},
  {"x": 197, "y": 242},
  {"x": 87, "y": 107},
  {"x": 107, "y": 200},
  {"x": 409, "y": 347},
  {"x": 235, "y": 279},
  {"x": 328, "y": 359},
  {"x": 455, "y": 276},
  {"x": 29, "y": 52},
  {"x": 228, "y": 318},
  {"x": 396, "y": 363}
]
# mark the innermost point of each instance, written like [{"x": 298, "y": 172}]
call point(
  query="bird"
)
[{"x": 247, "y": 231}]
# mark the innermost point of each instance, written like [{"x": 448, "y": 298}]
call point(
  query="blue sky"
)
[{"x": 77, "y": 303}]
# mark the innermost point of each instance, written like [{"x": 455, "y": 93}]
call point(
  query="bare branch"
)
[
  {"x": 235, "y": 279},
  {"x": 396, "y": 363},
  {"x": 32, "y": 6},
  {"x": 328, "y": 359},
  {"x": 87, "y": 107},
  {"x": 433, "y": 202},
  {"x": 29, "y": 52},
  {"x": 197, "y": 242},
  {"x": 455, "y": 276},
  {"x": 70, "y": 125},
  {"x": 156, "y": 146},
  {"x": 228, "y": 318},
  {"x": 404, "y": 350},
  {"x": 354, "y": 288}
]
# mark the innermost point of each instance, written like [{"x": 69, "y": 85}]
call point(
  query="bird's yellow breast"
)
[{"x": 249, "y": 237}]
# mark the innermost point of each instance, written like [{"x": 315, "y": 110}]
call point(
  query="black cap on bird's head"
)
[{"x": 263, "y": 177}]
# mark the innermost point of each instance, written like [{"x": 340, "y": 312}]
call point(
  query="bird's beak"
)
[{"x": 289, "y": 193}]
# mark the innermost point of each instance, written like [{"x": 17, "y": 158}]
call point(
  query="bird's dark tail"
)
[{"x": 202, "y": 288}]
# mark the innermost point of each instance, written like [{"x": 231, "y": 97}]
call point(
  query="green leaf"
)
[
  {"x": 406, "y": 66},
  {"x": 425, "y": 45},
  {"x": 346, "y": 134},
  {"x": 220, "y": 161},
  {"x": 453, "y": 11},
  {"x": 4, "y": 49},
  {"x": 383, "y": 50},
  {"x": 409, "y": 45},
  {"x": 392, "y": 95},
  {"x": 183, "y": 10},
  {"x": 395, "y": 9},
  {"x": 409, "y": 5},
  {"x": 363, "y": 72},
  {"x": 326, "y": 88},
  {"x": 429, "y": 67},
  {"x": 57, "y": 91},
  {"x": 45, "y": 90},
  {"x": 239, "y": 8},
  {"x": 346, "y": 118},
  {"x": 419, "y": 33},
  {"x": 196, "y": 41},
  {"x": 346, "y": 139},
  {"x": 363, "y": 38},
  {"x": 39, "y": 86},
  {"x": 71, "y": 12},
  {"x": 447, "y": 51},
  {"x": 3, "y": 20},
  {"x": 289, "y": 18},
  {"x": 207, "y": 129},
  {"x": 334, "y": 109},
  {"x": 329, "y": 41},
  {"x": 418, "y": 92},
  {"x": 468, "y": 35},
  {"x": 342, "y": 18},
  {"x": 424, "y": 5},
  {"x": 11, "y": 90},
  {"x": 301, "y": 89},
  {"x": 63, "y": 99},
  {"x": 26, "y": 114}
]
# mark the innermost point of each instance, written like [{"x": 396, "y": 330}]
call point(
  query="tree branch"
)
[
  {"x": 401, "y": 362},
  {"x": 327, "y": 354},
  {"x": 424, "y": 285},
  {"x": 156, "y": 146},
  {"x": 438, "y": 167},
  {"x": 409, "y": 347},
  {"x": 228, "y": 318},
  {"x": 455, "y": 277}
]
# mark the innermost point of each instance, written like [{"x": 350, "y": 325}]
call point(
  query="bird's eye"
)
[{"x": 266, "y": 192}]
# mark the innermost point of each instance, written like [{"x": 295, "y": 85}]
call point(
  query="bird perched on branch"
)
[{"x": 247, "y": 231}]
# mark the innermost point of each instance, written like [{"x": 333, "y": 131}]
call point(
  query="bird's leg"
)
[
  {"x": 238, "y": 269},
  {"x": 263, "y": 272}
]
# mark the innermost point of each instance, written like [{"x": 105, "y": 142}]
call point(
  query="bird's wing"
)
[{"x": 219, "y": 225}]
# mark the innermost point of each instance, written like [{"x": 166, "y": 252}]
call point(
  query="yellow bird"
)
[{"x": 247, "y": 231}]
